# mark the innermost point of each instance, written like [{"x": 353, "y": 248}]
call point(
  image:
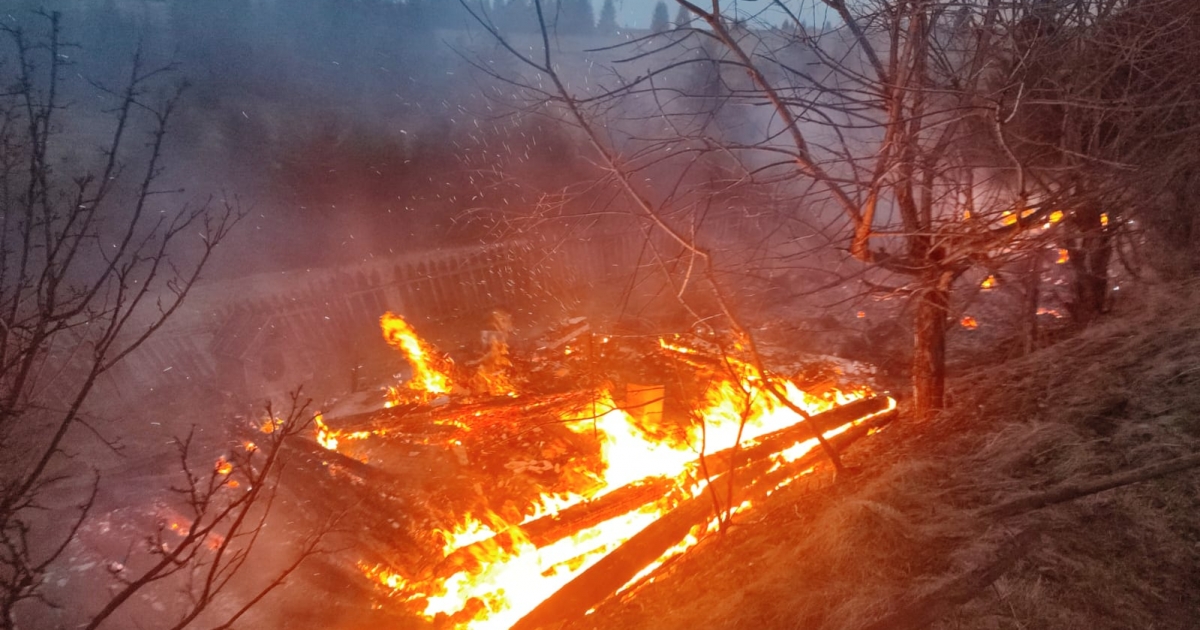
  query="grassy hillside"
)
[{"x": 906, "y": 532}]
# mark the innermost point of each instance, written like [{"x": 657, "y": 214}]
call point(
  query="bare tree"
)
[
  {"x": 223, "y": 525},
  {"x": 93, "y": 264},
  {"x": 1107, "y": 109},
  {"x": 888, "y": 133},
  {"x": 934, "y": 143}
]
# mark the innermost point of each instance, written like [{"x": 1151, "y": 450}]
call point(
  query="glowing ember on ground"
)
[
  {"x": 968, "y": 322},
  {"x": 988, "y": 283}
]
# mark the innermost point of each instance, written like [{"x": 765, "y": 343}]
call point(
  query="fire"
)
[
  {"x": 325, "y": 436},
  {"x": 968, "y": 322},
  {"x": 988, "y": 283},
  {"x": 1055, "y": 217},
  {"x": 510, "y": 584},
  {"x": 430, "y": 372},
  {"x": 630, "y": 456},
  {"x": 331, "y": 438},
  {"x": 1063, "y": 256},
  {"x": 1008, "y": 217},
  {"x": 492, "y": 376},
  {"x": 511, "y": 575}
]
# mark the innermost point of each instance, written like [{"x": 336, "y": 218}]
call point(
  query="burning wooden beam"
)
[
  {"x": 551, "y": 528},
  {"x": 616, "y": 569},
  {"x": 554, "y": 527}
]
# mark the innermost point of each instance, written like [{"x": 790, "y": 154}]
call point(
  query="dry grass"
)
[{"x": 1124, "y": 394}]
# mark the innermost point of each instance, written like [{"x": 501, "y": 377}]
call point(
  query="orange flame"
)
[
  {"x": 1055, "y": 217},
  {"x": 429, "y": 370},
  {"x": 331, "y": 438},
  {"x": 325, "y": 436},
  {"x": 988, "y": 283},
  {"x": 512, "y": 579},
  {"x": 492, "y": 375},
  {"x": 223, "y": 466},
  {"x": 968, "y": 322}
]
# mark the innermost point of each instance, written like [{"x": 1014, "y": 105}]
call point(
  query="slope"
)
[{"x": 905, "y": 536}]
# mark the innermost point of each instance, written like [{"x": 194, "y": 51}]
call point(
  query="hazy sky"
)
[{"x": 636, "y": 13}]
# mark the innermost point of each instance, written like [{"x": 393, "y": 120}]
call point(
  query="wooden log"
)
[
  {"x": 549, "y": 529},
  {"x": 616, "y": 569},
  {"x": 1074, "y": 490},
  {"x": 772, "y": 443},
  {"x": 310, "y": 450},
  {"x": 577, "y": 517}
]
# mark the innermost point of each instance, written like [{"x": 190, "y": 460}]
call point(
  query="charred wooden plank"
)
[{"x": 309, "y": 448}]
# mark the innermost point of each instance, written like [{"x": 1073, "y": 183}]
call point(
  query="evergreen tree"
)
[
  {"x": 608, "y": 18},
  {"x": 515, "y": 16},
  {"x": 575, "y": 17},
  {"x": 660, "y": 21},
  {"x": 683, "y": 17}
]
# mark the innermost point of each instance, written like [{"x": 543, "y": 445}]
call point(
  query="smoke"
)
[{"x": 328, "y": 120}]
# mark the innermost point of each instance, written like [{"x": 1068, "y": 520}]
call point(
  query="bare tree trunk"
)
[
  {"x": 1029, "y": 311},
  {"x": 1090, "y": 253},
  {"x": 929, "y": 347},
  {"x": 1184, "y": 227}
]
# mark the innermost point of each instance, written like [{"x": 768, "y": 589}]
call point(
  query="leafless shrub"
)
[{"x": 92, "y": 264}]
